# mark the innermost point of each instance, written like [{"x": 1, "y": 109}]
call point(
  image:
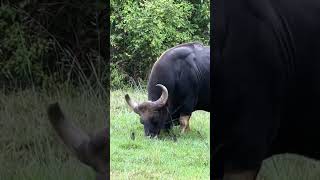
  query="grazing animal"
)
[
  {"x": 266, "y": 83},
  {"x": 179, "y": 83},
  {"x": 91, "y": 151}
]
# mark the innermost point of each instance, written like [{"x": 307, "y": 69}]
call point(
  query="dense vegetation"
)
[
  {"x": 142, "y": 30},
  {"x": 50, "y": 51},
  {"x": 45, "y": 42}
]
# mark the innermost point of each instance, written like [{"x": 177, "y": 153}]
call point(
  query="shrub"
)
[
  {"x": 48, "y": 43},
  {"x": 21, "y": 50},
  {"x": 117, "y": 78},
  {"x": 142, "y": 30}
]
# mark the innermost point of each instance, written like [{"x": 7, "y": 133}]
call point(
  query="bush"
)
[
  {"x": 118, "y": 78},
  {"x": 21, "y": 50},
  {"x": 142, "y": 31},
  {"x": 48, "y": 43}
]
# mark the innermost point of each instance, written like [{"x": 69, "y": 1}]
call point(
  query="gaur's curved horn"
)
[
  {"x": 131, "y": 103},
  {"x": 163, "y": 98},
  {"x": 72, "y": 136},
  {"x": 89, "y": 150}
]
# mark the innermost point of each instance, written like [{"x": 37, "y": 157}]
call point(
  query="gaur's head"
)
[
  {"x": 153, "y": 114},
  {"x": 90, "y": 150}
]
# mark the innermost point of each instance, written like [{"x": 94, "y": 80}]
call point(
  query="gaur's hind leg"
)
[
  {"x": 184, "y": 123},
  {"x": 187, "y": 107}
]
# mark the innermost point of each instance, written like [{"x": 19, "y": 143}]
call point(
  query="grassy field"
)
[
  {"x": 143, "y": 158},
  {"x": 30, "y": 149},
  {"x": 188, "y": 158}
]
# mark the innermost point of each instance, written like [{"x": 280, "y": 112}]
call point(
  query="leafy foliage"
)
[
  {"x": 21, "y": 50},
  {"x": 45, "y": 42},
  {"x": 53, "y": 42},
  {"x": 117, "y": 77},
  {"x": 142, "y": 30}
]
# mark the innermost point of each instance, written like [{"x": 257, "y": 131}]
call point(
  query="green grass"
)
[
  {"x": 143, "y": 158},
  {"x": 188, "y": 158},
  {"x": 30, "y": 149}
]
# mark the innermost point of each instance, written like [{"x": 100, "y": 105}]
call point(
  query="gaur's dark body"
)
[
  {"x": 185, "y": 71},
  {"x": 179, "y": 83},
  {"x": 266, "y": 81}
]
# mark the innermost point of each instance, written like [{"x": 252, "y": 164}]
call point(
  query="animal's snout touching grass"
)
[
  {"x": 170, "y": 155},
  {"x": 168, "y": 135}
]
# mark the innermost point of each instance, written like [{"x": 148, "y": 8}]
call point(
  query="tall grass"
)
[
  {"x": 29, "y": 148},
  {"x": 71, "y": 70}
]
